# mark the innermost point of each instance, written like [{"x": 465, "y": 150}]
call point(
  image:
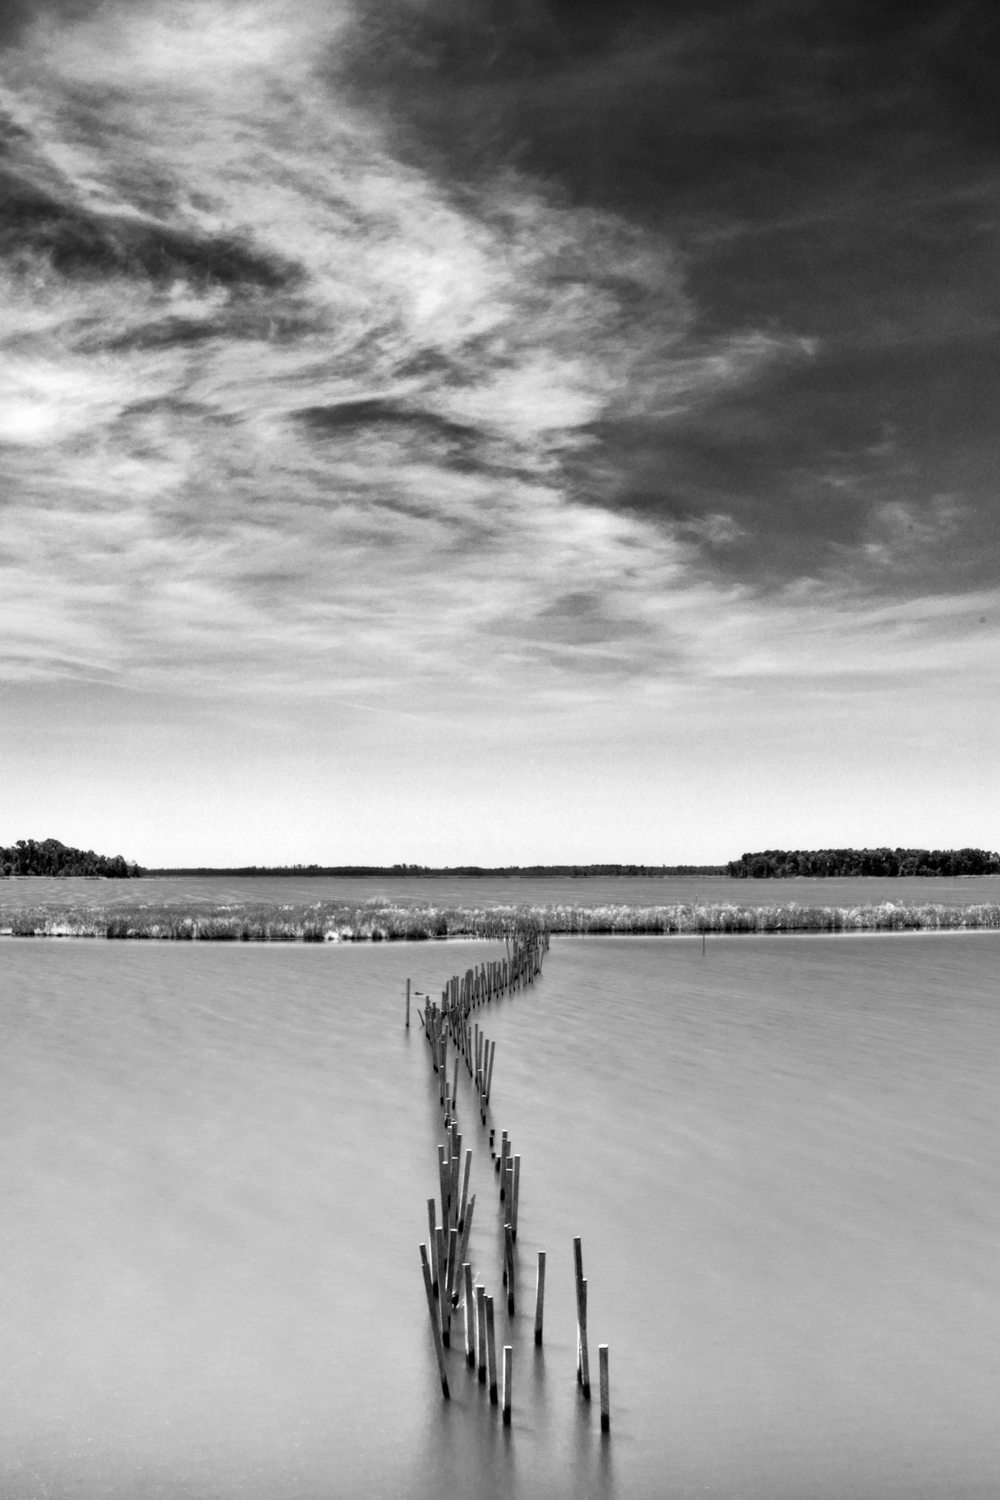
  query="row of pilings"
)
[{"x": 458, "y": 1044}]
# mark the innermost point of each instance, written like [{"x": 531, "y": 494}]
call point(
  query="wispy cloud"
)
[{"x": 277, "y": 406}]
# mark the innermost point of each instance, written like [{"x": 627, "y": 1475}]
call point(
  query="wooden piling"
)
[
  {"x": 431, "y": 1222},
  {"x": 539, "y": 1297},
  {"x": 444, "y": 1302},
  {"x": 509, "y": 1256},
  {"x": 466, "y": 1228},
  {"x": 584, "y": 1356},
  {"x": 515, "y": 1193},
  {"x": 438, "y": 1348},
  {"x": 508, "y": 1357},
  {"x": 602, "y": 1356},
  {"x": 489, "y": 1071},
  {"x": 407, "y": 1005},
  {"x": 491, "y": 1351},
  {"x": 481, "y": 1333},
  {"x": 465, "y": 1189},
  {"x": 503, "y": 1164},
  {"x": 470, "y": 1316},
  {"x": 452, "y": 1267},
  {"x": 443, "y": 1185}
]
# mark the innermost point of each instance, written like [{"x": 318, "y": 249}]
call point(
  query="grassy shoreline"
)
[{"x": 375, "y": 921}]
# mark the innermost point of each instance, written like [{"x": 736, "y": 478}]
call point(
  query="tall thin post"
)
[
  {"x": 407, "y": 1005},
  {"x": 602, "y": 1356},
  {"x": 481, "y": 1333},
  {"x": 584, "y": 1356},
  {"x": 515, "y": 1194},
  {"x": 508, "y": 1356},
  {"x": 539, "y": 1297},
  {"x": 491, "y": 1350},
  {"x": 439, "y": 1351},
  {"x": 470, "y": 1317},
  {"x": 465, "y": 1188}
]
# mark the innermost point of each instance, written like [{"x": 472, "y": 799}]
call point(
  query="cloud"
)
[{"x": 282, "y": 406}]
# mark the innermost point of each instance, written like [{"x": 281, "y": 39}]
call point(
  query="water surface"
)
[
  {"x": 781, "y": 1156},
  {"x": 445, "y": 890}
]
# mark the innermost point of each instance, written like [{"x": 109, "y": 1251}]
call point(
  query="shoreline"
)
[{"x": 337, "y": 922}]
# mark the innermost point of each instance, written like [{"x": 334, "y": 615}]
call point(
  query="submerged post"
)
[
  {"x": 407, "y": 1005},
  {"x": 584, "y": 1355},
  {"x": 491, "y": 1350},
  {"x": 539, "y": 1297},
  {"x": 508, "y": 1357},
  {"x": 481, "y": 1333},
  {"x": 602, "y": 1356},
  {"x": 439, "y": 1351},
  {"x": 470, "y": 1317}
]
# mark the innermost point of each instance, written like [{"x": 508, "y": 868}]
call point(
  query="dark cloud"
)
[
  {"x": 828, "y": 172},
  {"x": 346, "y": 416},
  {"x": 75, "y": 242}
]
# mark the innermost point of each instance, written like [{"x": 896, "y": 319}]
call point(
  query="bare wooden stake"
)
[
  {"x": 508, "y": 1235},
  {"x": 465, "y": 1188},
  {"x": 443, "y": 1303},
  {"x": 466, "y": 1229},
  {"x": 578, "y": 1271},
  {"x": 407, "y": 1005},
  {"x": 491, "y": 1351},
  {"x": 539, "y": 1297},
  {"x": 602, "y": 1357},
  {"x": 438, "y": 1349},
  {"x": 508, "y": 1357},
  {"x": 481, "y": 1333},
  {"x": 452, "y": 1268},
  {"x": 515, "y": 1194},
  {"x": 470, "y": 1317},
  {"x": 489, "y": 1071},
  {"x": 584, "y": 1356},
  {"x": 431, "y": 1222}
]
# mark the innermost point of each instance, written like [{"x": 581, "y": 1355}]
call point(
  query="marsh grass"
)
[
  {"x": 378, "y": 921},
  {"x": 370, "y": 921}
]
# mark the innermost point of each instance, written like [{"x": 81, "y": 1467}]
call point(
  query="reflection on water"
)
[{"x": 781, "y": 1158}]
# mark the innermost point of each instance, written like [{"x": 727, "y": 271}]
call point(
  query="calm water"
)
[
  {"x": 445, "y": 891},
  {"x": 781, "y": 1156}
]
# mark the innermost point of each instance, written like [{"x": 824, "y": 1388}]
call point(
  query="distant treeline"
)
[
  {"x": 779, "y": 863},
  {"x": 503, "y": 872},
  {"x": 49, "y": 857}
]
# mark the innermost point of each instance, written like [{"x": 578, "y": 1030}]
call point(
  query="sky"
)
[{"x": 498, "y": 431}]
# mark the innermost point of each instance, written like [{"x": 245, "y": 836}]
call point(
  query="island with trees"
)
[
  {"x": 50, "y": 857},
  {"x": 772, "y": 864}
]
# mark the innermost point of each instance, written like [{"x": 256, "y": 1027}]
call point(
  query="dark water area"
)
[
  {"x": 193, "y": 891},
  {"x": 781, "y": 1157}
]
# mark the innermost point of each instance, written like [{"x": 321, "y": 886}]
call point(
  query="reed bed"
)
[
  {"x": 259, "y": 923},
  {"x": 377, "y": 921},
  {"x": 729, "y": 918}
]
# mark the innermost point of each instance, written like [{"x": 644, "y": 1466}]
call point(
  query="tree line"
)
[
  {"x": 510, "y": 872},
  {"x": 779, "y": 863},
  {"x": 50, "y": 857}
]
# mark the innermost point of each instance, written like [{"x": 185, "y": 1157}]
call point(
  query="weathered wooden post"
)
[
  {"x": 515, "y": 1194},
  {"x": 602, "y": 1356},
  {"x": 582, "y": 1361},
  {"x": 407, "y": 1005},
  {"x": 539, "y": 1297},
  {"x": 508, "y": 1356},
  {"x": 481, "y": 1333},
  {"x": 439, "y": 1351},
  {"x": 470, "y": 1317},
  {"x": 491, "y": 1350}
]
